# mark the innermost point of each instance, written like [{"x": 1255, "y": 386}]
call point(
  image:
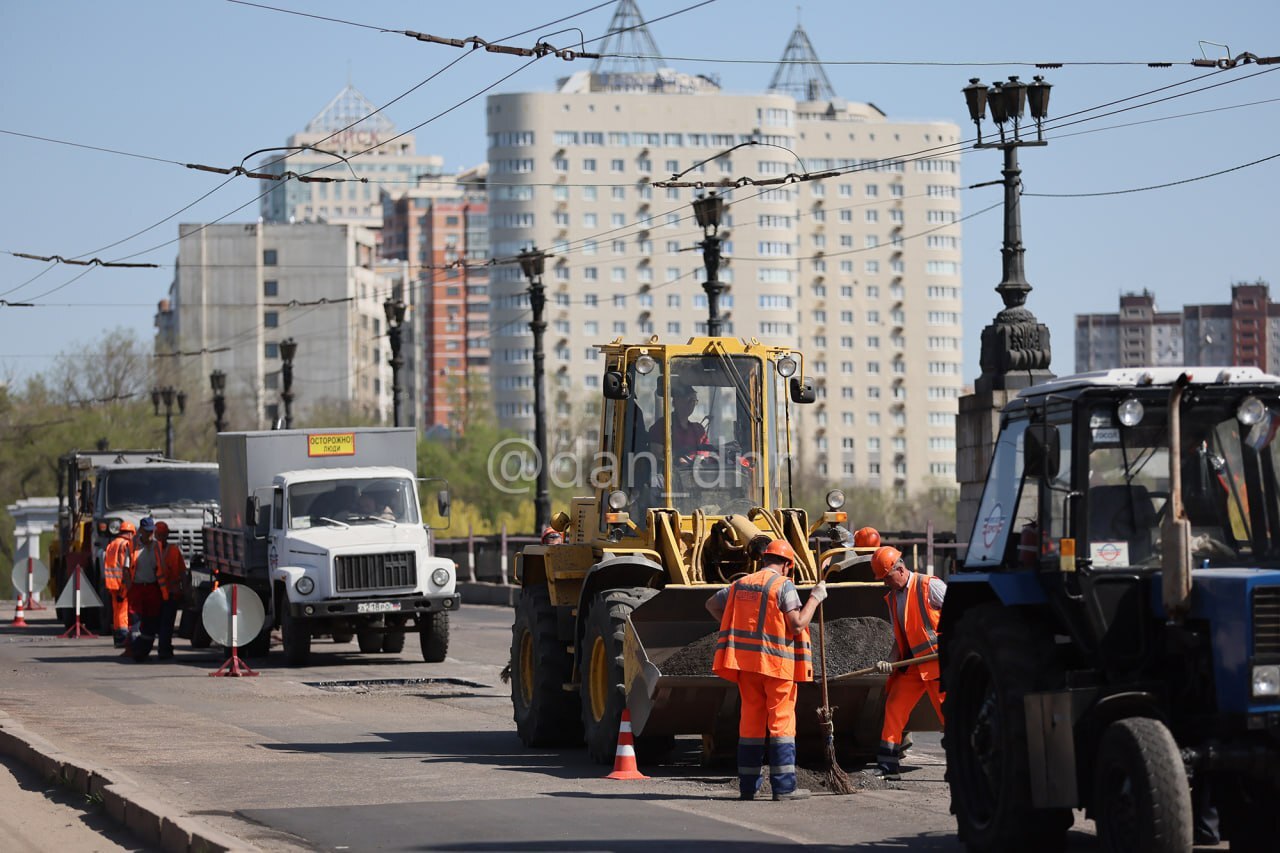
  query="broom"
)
[{"x": 835, "y": 779}]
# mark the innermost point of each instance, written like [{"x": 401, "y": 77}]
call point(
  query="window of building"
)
[
  {"x": 269, "y": 257},
  {"x": 271, "y": 319},
  {"x": 270, "y": 288}
]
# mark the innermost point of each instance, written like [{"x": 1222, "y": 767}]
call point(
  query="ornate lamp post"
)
[
  {"x": 218, "y": 382},
  {"x": 168, "y": 395},
  {"x": 1015, "y": 342},
  {"x": 532, "y": 262},
  {"x": 707, "y": 211},
  {"x": 394, "y": 309},
  {"x": 288, "y": 349}
]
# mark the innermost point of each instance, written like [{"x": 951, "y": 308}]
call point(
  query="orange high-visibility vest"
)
[
  {"x": 175, "y": 568},
  {"x": 119, "y": 554},
  {"x": 162, "y": 569},
  {"x": 919, "y": 627},
  {"x": 755, "y": 635}
]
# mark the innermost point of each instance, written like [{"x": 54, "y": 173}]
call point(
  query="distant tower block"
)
[{"x": 800, "y": 73}]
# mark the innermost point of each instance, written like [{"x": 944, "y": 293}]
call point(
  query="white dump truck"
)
[{"x": 325, "y": 525}]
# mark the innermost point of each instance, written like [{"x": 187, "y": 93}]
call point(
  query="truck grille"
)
[
  {"x": 1266, "y": 621},
  {"x": 376, "y": 571},
  {"x": 189, "y": 542}
]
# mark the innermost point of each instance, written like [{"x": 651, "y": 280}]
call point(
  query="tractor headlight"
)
[
  {"x": 1251, "y": 411},
  {"x": 1130, "y": 412},
  {"x": 618, "y": 500},
  {"x": 1266, "y": 680},
  {"x": 835, "y": 499},
  {"x": 440, "y": 577},
  {"x": 787, "y": 366},
  {"x": 304, "y": 585}
]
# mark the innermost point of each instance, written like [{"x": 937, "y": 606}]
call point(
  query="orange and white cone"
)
[
  {"x": 19, "y": 622},
  {"x": 624, "y": 760}
]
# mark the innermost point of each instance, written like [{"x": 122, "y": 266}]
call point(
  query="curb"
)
[
  {"x": 480, "y": 592},
  {"x": 152, "y": 821}
]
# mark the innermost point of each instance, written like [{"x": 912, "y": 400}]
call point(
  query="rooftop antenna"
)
[
  {"x": 800, "y": 73},
  {"x": 628, "y": 35}
]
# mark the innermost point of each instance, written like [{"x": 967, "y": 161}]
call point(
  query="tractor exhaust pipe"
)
[{"x": 1176, "y": 533}]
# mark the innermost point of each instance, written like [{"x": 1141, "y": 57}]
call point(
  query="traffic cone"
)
[
  {"x": 624, "y": 760},
  {"x": 19, "y": 622}
]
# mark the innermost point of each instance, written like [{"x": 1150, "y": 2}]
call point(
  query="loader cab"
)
[{"x": 697, "y": 428}]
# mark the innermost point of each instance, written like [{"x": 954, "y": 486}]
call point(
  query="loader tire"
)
[
  {"x": 994, "y": 658},
  {"x": 1141, "y": 800},
  {"x": 545, "y": 713},
  {"x": 600, "y": 669},
  {"x": 433, "y": 636}
]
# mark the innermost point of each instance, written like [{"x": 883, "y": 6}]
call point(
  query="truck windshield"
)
[
  {"x": 153, "y": 487},
  {"x": 714, "y": 412},
  {"x": 352, "y": 501},
  {"x": 1229, "y": 483}
]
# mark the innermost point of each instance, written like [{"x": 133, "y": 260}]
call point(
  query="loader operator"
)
[
  {"x": 115, "y": 559},
  {"x": 688, "y": 437},
  {"x": 915, "y": 604},
  {"x": 764, "y": 647}
]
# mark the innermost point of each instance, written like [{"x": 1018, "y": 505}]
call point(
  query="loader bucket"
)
[{"x": 669, "y": 641}]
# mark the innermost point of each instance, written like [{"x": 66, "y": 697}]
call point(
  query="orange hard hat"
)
[
  {"x": 551, "y": 536},
  {"x": 780, "y": 548},
  {"x": 883, "y": 561},
  {"x": 127, "y": 527},
  {"x": 867, "y": 537},
  {"x": 162, "y": 530}
]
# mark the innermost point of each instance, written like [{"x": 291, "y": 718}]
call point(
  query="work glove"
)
[
  {"x": 819, "y": 593},
  {"x": 884, "y": 666}
]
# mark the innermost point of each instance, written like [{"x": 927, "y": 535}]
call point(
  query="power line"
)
[{"x": 1155, "y": 186}]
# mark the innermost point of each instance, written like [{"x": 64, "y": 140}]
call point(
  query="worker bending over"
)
[
  {"x": 915, "y": 604},
  {"x": 764, "y": 647}
]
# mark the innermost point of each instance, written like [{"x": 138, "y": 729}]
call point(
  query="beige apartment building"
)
[{"x": 861, "y": 271}]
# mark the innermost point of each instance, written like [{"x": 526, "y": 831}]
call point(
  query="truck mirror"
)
[
  {"x": 802, "y": 390},
  {"x": 442, "y": 502},
  {"x": 615, "y": 386},
  {"x": 1041, "y": 454},
  {"x": 435, "y": 513},
  {"x": 251, "y": 506}
]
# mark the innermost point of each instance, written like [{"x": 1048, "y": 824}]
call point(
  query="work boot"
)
[
  {"x": 164, "y": 654},
  {"x": 889, "y": 774},
  {"x": 797, "y": 794}
]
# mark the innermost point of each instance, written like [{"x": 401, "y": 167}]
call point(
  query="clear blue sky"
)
[{"x": 208, "y": 81}]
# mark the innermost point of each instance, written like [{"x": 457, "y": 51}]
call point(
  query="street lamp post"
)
[
  {"x": 394, "y": 309},
  {"x": 707, "y": 211},
  {"x": 288, "y": 349},
  {"x": 1015, "y": 342},
  {"x": 168, "y": 395},
  {"x": 218, "y": 382},
  {"x": 532, "y": 262}
]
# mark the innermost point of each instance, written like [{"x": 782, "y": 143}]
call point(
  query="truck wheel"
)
[
  {"x": 369, "y": 641},
  {"x": 433, "y": 635},
  {"x": 393, "y": 642},
  {"x": 296, "y": 634},
  {"x": 600, "y": 669},
  {"x": 545, "y": 713},
  {"x": 259, "y": 645},
  {"x": 1141, "y": 799},
  {"x": 993, "y": 660},
  {"x": 341, "y": 637},
  {"x": 200, "y": 638}
]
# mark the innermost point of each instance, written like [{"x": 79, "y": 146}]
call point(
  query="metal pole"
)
[
  {"x": 542, "y": 501},
  {"x": 396, "y": 363},
  {"x": 712, "y": 286},
  {"x": 287, "y": 394},
  {"x": 168, "y": 430},
  {"x": 1013, "y": 287}
]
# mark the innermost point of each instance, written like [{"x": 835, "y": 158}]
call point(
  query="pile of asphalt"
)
[{"x": 853, "y": 643}]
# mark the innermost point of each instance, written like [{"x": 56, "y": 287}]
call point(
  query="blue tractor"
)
[{"x": 1112, "y": 641}]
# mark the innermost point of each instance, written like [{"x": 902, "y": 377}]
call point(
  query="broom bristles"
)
[{"x": 835, "y": 779}]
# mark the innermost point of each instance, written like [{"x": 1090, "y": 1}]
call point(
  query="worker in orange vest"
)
[
  {"x": 147, "y": 581},
  {"x": 117, "y": 557},
  {"x": 764, "y": 647},
  {"x": 915, "y": 605},
  {"x": 175, "y": 575}
]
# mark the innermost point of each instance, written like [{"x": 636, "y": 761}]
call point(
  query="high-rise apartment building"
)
[
  {"x": 861, "y": 270},
  {"x": 347, "y": 140},
  {"x": 1244, "y": 332},
  {"x": 239, "y": 290},
  {"x": 440, "y": 232}
]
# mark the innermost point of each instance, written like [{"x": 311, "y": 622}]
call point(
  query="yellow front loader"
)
[{"x": 691, "y": 482}]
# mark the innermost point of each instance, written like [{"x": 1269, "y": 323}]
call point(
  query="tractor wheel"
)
[
  {"x": 600, "y": 669},
  {"x": 393, "y": 642},
  {"x": 296, "y": 634},
  {"x": 1141, "y": 799},
  {"x": 545, "y": 713},
  {"x": 369, "y": 641},
  {"x": 994, "y": 659},
  {"x": 433, "y": 636}
]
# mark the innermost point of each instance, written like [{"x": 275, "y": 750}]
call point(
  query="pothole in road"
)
[{"x": 436, "y": 687}]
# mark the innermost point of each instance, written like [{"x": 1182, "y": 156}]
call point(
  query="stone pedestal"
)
[{"x": 977, "y": 426}]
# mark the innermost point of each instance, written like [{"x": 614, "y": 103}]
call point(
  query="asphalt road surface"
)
[{"x": 384, "y": 752}]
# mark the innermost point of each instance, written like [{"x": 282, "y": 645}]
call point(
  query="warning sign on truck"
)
[{"x": 332, "y": 444}]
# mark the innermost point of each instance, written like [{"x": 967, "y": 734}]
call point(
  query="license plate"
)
[{"x": 377, "y": 606}]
